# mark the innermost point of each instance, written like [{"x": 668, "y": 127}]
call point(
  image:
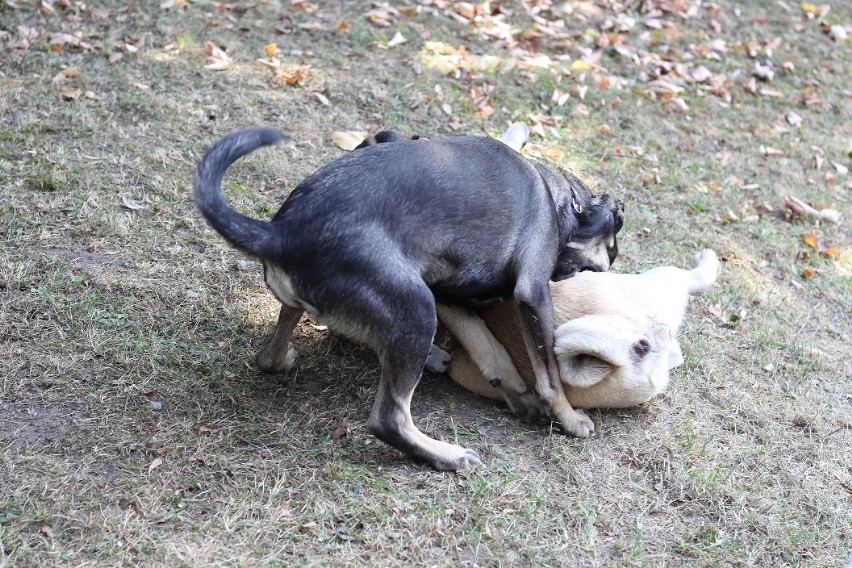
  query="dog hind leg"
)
[
  {"x": 707, "y": 269},
  {"x": 277, "y": 355},
  {"x": 402, "y": 354}
]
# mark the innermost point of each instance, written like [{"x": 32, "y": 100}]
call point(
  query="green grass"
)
[{"x": 134, "y": 429}]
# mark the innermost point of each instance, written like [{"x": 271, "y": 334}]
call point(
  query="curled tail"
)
[
  {"x": 253, "y": 236},
  {"x": 707, "y": 269}
]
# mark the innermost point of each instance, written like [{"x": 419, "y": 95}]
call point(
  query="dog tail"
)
[
  {"x": 706, "y": 271},
  {"x": 253, "y": 236}
]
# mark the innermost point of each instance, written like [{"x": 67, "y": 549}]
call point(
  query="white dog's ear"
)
[{"x": 591, "y": 347}]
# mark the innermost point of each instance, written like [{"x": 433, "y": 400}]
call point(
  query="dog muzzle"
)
[{"x": 441, "y": 350}]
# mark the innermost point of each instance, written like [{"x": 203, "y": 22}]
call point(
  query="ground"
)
[{"x": 134, "y": 428}]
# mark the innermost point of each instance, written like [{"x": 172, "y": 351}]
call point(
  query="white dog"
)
[{"x": 615, "y": 342}]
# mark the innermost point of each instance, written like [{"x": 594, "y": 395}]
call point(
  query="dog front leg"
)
[
  {"x": 492, "y": 360},
  {"x": 277, "y": 355},
  {"x": 536, "y": 308}
]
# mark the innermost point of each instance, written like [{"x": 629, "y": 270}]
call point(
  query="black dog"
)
[{"x": 369, "y": 241}]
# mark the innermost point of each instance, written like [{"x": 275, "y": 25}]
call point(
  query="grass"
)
[{"x": 134, "y": 429}]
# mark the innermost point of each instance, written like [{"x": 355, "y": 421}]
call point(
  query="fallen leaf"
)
[
  {"x": 811, "y": 239},
  {"x": 70, "y": 73},
  {"x": 771, "y": 152},
  {"x": 272, "y": 50},
  {"x": 793, "y": 118},
  {"x": 817, "y": 243},
  {"x": 838, "y": 33},
  {"x": 763, "y": 72},
  {"x": 293, "y": 75},
  {"x": 397, "y": 39},
  {"x": 217, "y": 59},
  {"x": 71, "y": 94},
  {"x": 348, "y": 140},
  {"x": 208, "y": 430},
  {"x": 58, "y": 41},
  {"x": 341, "y": 430},
  {"x": 131, "y": 204},
  {"x": 808, "y": 272},
  {"x": 322, "y": 99},
  {"x": 715, "y": 310},
  {"x": 701, "y": 74},
  {"x": 155, "y": 464}
]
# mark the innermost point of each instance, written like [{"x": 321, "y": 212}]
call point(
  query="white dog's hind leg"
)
[
  {"x": 491, "y": 358},
  {"x": 487, "y": 353},
  {"x": 706, "y": 271}
]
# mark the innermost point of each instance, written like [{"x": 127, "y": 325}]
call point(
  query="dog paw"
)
[
  {"x": 456, "y": 458},
  {"x": 526, "y": 406},
  {"x": 276, "y": 360},
  {"x": 578, "y": 424}
]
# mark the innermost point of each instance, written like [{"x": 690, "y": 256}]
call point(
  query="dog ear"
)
[
  {"x": 589, "y": 348},
  {"x": 583, "y": 369},
  {"x": 381, "y": 137}
]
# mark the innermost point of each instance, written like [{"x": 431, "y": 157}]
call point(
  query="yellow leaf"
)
[
  {"x": 811, "y": 240},
  {"x": 272, "y": 50},
  {"x": 580, "y": 65},
  {"x": 811, "y": 8},
  {"x": 347, "y": 140}
]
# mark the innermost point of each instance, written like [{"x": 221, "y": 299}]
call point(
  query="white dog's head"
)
[{"x": 614, "y": 361}]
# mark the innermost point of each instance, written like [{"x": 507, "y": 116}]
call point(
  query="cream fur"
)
[{"x": 615, "y": 341}]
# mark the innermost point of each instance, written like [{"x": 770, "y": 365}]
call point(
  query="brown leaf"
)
[
  {"x": 217, "y": 59},
  {"x": 208, "y": 430},
  {"x": 341, "y": 430},
  {"x": 294, "y": 74},
  {"x": 71, "y": 94},
  {"x": 58, "y": 41},
  {"x": 715, "y": 310},
  {"x": 69, "y": 73}
]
